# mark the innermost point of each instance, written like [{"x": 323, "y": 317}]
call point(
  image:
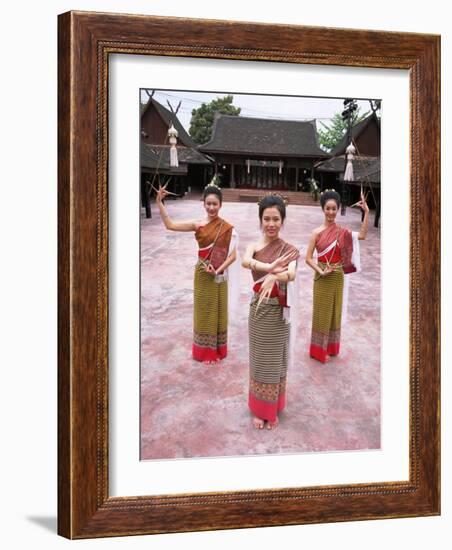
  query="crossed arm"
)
[
  {"x": 283, "y": 276},
  {"x": 279, "y": 267},
  {"x": 283, "y": 269}
]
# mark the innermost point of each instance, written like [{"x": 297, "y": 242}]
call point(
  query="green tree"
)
[
  {"x": 332, "y": 133},
  {"x": 202, "y": 118}
]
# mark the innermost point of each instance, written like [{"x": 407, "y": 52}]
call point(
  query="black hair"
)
[
  {"x": 272, "y": 201},
  {"x": 330, "y": 195},
  {"x": 212, "y": 190}
]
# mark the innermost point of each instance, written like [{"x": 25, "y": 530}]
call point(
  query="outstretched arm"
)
[
  {"x": 191, "y": 225},
  {"x": 363, "y": 229}
]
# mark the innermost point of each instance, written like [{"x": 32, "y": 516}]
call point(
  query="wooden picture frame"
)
[{"x": 85, "y": 42}]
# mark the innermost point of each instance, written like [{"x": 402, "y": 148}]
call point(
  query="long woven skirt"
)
[
  {"x": 210, "y": 317},
  {"x": 268, "y": 349},
  {"x": 326, "y": 315}
]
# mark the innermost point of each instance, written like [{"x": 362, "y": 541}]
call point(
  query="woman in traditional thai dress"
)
[
  {"x": 217, "y": 243},
  {"x": 336, "y": 248},
  {"x": 273, "y": 266}
]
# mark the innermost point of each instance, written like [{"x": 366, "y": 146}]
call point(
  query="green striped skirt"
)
[
  {"x": 326, "y": 314},
  {"x": 210, "y": 317}
]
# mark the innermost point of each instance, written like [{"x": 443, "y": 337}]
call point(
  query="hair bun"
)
[
  {"x": 213, "y": 182},
  {"x": 272, "y": 194}
]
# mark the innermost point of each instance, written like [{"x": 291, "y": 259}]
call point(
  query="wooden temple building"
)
[
  {"x": 259, "y": 153},
  {"x": 254, "y": 155}
]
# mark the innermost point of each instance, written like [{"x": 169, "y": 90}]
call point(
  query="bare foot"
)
[
  {"x": 258, "y": 423},
  {"x": 327, "y": 358},
  {"x": 272, "y": 425}
]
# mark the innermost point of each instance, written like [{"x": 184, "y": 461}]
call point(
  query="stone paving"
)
[{"x": 189, "y": 409}]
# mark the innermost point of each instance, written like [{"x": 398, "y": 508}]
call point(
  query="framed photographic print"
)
[
  {"x": 159, "y": 415},
  {"x": 257, "y": 154}
]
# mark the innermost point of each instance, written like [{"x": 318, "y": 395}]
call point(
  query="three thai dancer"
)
[
  {"x": 273, "y": 264},
  {"x": 337, "y": 249}
]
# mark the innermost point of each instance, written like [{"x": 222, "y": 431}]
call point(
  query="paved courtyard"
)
[{"x": 189, "y": 409}]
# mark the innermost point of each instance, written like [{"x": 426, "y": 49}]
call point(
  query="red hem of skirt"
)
[
  {"x": 320, "y": 354},
  {"x": 209, "y": 354},
  {"x": 333, "y": 349},
  {"x": 264, "y": 409}
]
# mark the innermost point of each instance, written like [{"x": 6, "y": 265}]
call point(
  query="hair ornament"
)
[
  {"x": 272, "y": 194},
  {"x": 213, "y": 182}
]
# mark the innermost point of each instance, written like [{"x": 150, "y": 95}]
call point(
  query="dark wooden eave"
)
[{"x": 265, "y": 137}]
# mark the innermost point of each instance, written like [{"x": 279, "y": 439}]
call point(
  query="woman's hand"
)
[
  {"x": 161, "y": 194},
  {"x": 209, "y": 269},
  {"x": 266, "y": 287},
  {"x": 280, "y": 264},
  {"x": 327, "y": 270},
  {"x": 363, "y": 204}
]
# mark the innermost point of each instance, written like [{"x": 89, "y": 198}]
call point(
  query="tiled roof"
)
[
  {"x": 260, "y": 136},
  {"x": 355, "y": 132}
]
